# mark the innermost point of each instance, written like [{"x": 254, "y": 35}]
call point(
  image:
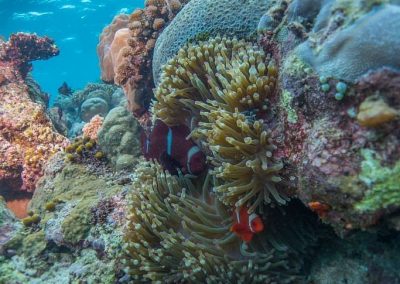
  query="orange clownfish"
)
[{"x": 245, "y": 225}]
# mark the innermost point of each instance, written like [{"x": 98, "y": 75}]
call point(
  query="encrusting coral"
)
[
  {"x": 179, "y": 232},
  {"x": 222, "y": 85}
]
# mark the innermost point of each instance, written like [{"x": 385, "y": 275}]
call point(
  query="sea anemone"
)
[
  {"x": 178, "y": 232},
  {"x": 222, "y": 85}
]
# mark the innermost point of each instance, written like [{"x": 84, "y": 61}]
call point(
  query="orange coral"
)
[
  {"x": 91, "y": 128},
  {"x": 110, "y": 45},
  {"x": 134, "y": 74}
]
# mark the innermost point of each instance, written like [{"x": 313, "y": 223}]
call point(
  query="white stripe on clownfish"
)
[
  {"x": 147, "y": 145},
  {"x": 238, "y": 215},
  {"x": 169, "y": 141},
  {"x": 251, "y": 218},
  {"x": 192, "y": 151}
]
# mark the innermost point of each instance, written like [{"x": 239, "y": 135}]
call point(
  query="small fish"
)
[
  {"x": 245, "y": 225},
  {"x": 169, "y": 146}
]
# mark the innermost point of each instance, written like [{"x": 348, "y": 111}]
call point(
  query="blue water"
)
[{"x": 75, "y": 25}]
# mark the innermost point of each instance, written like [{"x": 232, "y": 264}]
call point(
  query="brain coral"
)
[
  {"x": 92, "y": 107},
  {"x": 107, "y": 48},
  {"x": 119, "y": 138},
  {"x": 200, "y": 18}
]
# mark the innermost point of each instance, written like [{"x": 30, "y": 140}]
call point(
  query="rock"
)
[{"x": 368, "y": 44}]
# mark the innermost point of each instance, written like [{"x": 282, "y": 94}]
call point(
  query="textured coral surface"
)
[
  {"x": 110, "y": 47},
  {"x": 26, "y": 133},
  {"x": 135, "y": 74}
]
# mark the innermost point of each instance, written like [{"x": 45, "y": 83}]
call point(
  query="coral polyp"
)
[{"x": 223, "y": 84}]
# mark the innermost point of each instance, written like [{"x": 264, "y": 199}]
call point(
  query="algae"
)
[{"x": 383, "y": 183}]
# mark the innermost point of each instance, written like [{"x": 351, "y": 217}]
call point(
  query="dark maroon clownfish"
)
[{"x": 169, "y": 146}]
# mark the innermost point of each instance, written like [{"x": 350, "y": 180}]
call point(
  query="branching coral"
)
[
  {"x": 178, "y": 232},
  {"x": 224, "y": 83}
]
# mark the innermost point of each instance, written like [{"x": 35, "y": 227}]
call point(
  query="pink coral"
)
[
  {"x": 27, "y": 137},
  {"x": 22, "y": 48},
  {"x": 110, "y": 45},
  {"x": 91, "y": 128},
  {"x": 132, "y": 50}
]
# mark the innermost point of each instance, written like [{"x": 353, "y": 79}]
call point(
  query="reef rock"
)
[
  {"x": 371, "y": 42},
  {"x": 81, "y": 211},
  {"x": 26, "y": 133},
  {"x": 9, "y": 225},
  {"x": 338, "y": 111}
]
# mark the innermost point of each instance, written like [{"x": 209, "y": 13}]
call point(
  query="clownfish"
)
[
  {"x": 169, "y": 146},
  {"x": 245, "y": 225}
]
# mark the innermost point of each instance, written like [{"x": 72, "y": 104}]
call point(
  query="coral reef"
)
[
  {"x": 9, "y": 225},
  {"x": 326, "y": 120},
  {"x": 27, "y": 136},
  {"x": 134, "y": 72},
  {"x": 80, "y": 107},
  {"x": 22, "y": 48},
  {"x": 91, "y": 128},
  {"x": 65, "y": 245},
  {"x": 31, "y": 135},
  {"x": 384, "y": 183},
  {"x": 119, "y": 138},
  {"x": 267, "y": 162},
  {"x": 208, "y": 19},
  {"x": 347, "y": 53},
  {"x": 110, "y": 47},
  {"x": 223, "y": 85}
]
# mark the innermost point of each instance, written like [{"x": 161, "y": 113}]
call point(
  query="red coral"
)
[{"x": 22, "y": 48}]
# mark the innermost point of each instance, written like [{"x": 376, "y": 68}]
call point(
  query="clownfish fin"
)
[{"x": 246, "y": 236}]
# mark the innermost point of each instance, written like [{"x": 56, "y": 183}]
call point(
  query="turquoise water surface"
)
[{"x": 75, "y": 25}]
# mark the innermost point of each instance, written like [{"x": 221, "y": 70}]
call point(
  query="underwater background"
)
[
  {"x": 200, "y": 141},
  {"x": 74, "y": 25}
]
